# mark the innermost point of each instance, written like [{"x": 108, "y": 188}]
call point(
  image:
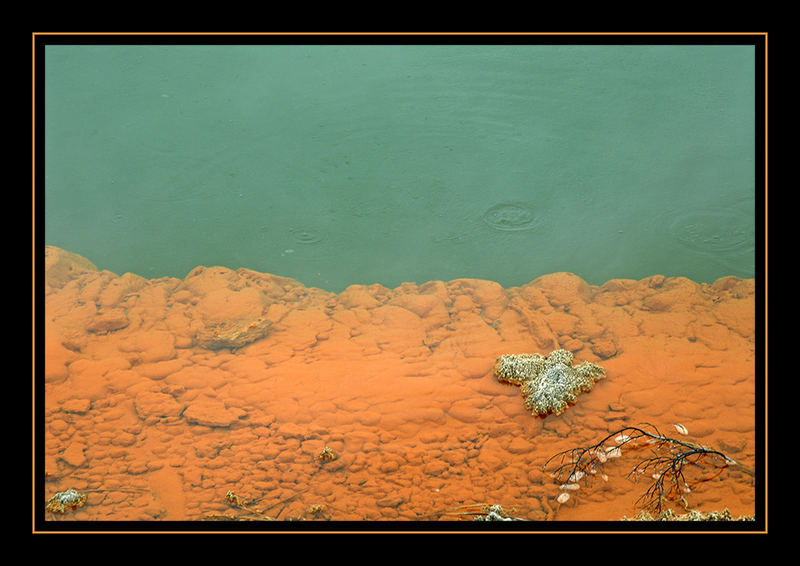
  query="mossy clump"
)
[
  {"x": 66, "y": 500},
  {"x": 548, "y": 384},
  {"x": 670, "y": 515},
  {"x": 495, "y": 513},
  {"x": 235, "y": 500},
  {"x": 326, "y": 455}
]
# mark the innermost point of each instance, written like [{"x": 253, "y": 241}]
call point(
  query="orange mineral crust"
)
[{"x": 236, "y": 395}]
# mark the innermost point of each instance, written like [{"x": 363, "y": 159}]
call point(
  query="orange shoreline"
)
[{"x": 166, "y": 398}]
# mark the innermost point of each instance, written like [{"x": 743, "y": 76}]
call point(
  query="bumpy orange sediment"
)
[{"x": 398, "y": 384}]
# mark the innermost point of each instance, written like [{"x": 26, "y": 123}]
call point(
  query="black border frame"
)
[{"x": 757, "y": 39}]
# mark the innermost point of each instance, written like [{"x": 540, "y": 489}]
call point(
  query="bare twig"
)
[{"x": 665, "y": 466}]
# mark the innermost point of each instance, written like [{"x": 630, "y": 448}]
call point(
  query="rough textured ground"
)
[{"x": 153, "y": 423}]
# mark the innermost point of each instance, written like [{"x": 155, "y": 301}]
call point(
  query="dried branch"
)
[{"x": 665, "y": 466}]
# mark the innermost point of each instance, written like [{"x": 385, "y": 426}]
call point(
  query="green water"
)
[{"x": 337, "y": 164}]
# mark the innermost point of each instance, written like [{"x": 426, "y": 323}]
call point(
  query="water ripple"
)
[{"x": 510, "y": 217}]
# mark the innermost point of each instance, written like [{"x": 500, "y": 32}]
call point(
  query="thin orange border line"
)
[
  {"x": 396, "y": 33},
  {"x": 766, "y": 287}
]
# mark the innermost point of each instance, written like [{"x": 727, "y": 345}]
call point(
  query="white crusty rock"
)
[{"x": 550, "y": 383}]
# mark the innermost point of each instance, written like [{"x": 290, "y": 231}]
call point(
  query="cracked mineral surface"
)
[{"x": 156, "y": 417}]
